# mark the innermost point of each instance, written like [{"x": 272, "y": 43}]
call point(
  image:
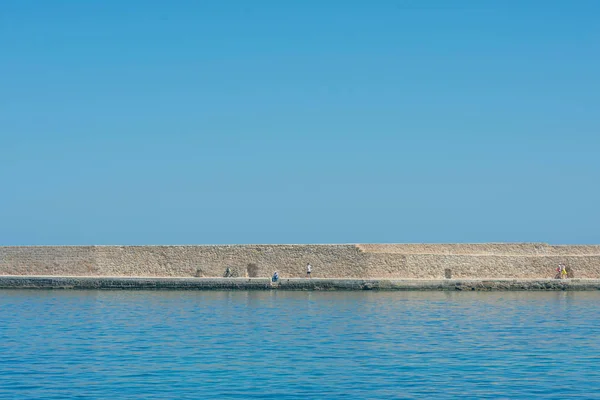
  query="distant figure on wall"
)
[
  {"x": 308, "y": 270},
  {"x": 561, "y": 272},
  {"x": 275, "y": 277}
]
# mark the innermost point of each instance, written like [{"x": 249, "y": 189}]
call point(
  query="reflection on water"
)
[{"x": 101, "y": 344}]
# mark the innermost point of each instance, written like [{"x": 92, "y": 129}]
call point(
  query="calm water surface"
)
[{"x": 215, "y": 345}]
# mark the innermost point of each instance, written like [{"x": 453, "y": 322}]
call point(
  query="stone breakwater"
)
[
  {"x": 129, "y": 283},
  {"x": 521, "y": 261}
]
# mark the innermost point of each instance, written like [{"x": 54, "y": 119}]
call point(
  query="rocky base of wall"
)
[{"x": 153, "y": 283}]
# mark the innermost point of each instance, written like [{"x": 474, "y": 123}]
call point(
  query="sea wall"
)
[
  {"x": 363, "y": 261},
  {"x": 158, "y": 283}
]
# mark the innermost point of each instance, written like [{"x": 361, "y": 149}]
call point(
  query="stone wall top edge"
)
[
  {"x": 314, "y": 244},
  {"x": 181, "y": 245}
]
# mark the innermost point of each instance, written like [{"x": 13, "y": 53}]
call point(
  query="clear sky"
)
[{"x": 190, "y": 122}]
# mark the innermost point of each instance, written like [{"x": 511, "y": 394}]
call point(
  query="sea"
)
[{"x": 71, "y": 344}]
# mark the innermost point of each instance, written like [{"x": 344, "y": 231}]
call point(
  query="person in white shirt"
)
[{"x": 308, "y": 270}]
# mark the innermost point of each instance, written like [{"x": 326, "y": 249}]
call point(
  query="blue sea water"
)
[{"x": 290, "y": 345}]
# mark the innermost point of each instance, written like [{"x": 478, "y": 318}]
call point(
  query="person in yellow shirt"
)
[{"x": 563, "y": 272}]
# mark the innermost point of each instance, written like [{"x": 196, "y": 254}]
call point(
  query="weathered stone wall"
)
[
  {"x": 160, "y": 283},
  {"x": 382, "y": 261}
]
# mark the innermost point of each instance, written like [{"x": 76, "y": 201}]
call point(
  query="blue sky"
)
[{"x": 190, "y": 122}]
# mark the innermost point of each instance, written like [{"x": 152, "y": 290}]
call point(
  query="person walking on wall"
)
[
  {"x": 308, "y": 270},
  {"x": 563, "y": 272},
  {"x": 558, "y": 271}
]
